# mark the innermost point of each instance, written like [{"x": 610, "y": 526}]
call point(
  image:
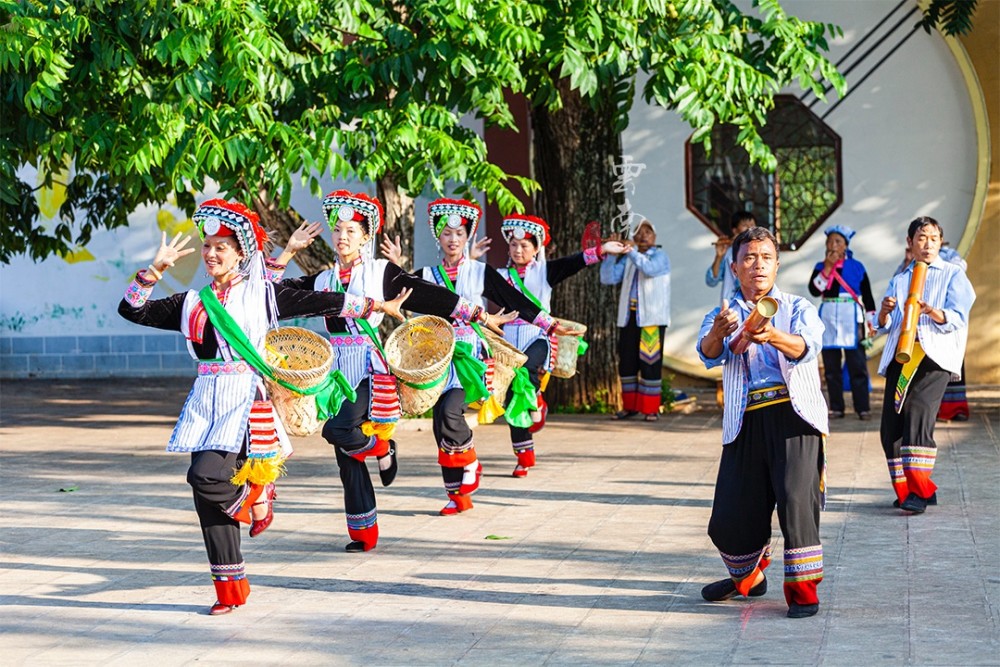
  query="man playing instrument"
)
[
  {"x": 914, "y": 389},
  {"x": 773, "y": 425}
]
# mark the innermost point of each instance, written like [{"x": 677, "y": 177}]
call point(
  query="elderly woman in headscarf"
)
[
  {"x": 847, "y": 311},
  {"x": 643, "y": 316},
  {"x": 236, "y": 442}
]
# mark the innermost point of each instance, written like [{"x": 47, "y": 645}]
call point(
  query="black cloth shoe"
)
[
  {"x": 930, "y": 501},
  {"x": 389, "y": 474},
  {"x": 914, "y": 503},
  {"x": 725, "y": 589},
  {"x": 864, "y": 415},
  {"x": 836, "y": 414},
  {"x": 355, "y": 547},
  {"x": 802, "y": 610}
]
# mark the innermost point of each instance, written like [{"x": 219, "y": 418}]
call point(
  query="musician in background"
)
[
  {"x": 643, "y": 315},
  {"x": 720, "y": 271},
  {"x": 913, "y": 390},
  {"x": 847, "y": 311},
  {"x": 773, "y": 424}
]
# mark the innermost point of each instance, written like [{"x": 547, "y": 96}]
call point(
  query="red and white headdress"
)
[
  {"x": 218, "y": 217},
  {"x": 357, "y": 206},
  {"x": 517, "y": 226},
  {"x": 453, "y": 213}
]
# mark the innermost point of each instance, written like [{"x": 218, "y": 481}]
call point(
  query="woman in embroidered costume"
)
[
  {"x": 237, "y": 444},
  {"x": 453, "y": 223},
  {"x": 364, "y": 425},
  {"x": 532, "y": 275},
  {"x": 847, "y": 296}
]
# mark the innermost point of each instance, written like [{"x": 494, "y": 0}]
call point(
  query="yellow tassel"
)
[
  {"x": 544, "y": 382},
  {"x": 382, "y": 431},
  {"x": 259, "y": 471},
  {"x": 490, "y": 410}
]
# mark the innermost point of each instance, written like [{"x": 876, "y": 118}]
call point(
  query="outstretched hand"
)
[
  {"x": 392, "y": 250},
  {"x": 392, "y": 307},
  {"x": 496, "y": 320},
  {"x": 480, "y": 247},
  {"x": 562, "y": 329},
  {"x": 168, "y": 253},
  {"x": 614, "y": 248},
  {"x": 303, "y": 237}
]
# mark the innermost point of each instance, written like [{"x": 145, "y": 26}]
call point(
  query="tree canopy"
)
[{"x": 138, "y": 101}]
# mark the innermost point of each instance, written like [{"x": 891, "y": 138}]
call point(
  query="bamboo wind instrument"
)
[
  {"x": 911, "y": 313},
  {"x": 766, "y": 308}
]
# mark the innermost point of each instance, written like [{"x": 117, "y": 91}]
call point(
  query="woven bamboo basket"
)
[
  {"x": 419, "y": 353},
  {"x": 567, "y": 351},
  {"x": 302, "y": 358},
  {"x": 506, "y": 360}
]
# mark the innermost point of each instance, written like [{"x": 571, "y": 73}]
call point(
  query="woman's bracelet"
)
[{"x": 152, "y": 270}]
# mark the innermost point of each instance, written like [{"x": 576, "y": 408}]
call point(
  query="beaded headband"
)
[
  {"x": 217, "y": 215},
  {"x": 525, "y": 226},
  {"x": 453, "y": 213},
  {"x": 359, "y": 207}
]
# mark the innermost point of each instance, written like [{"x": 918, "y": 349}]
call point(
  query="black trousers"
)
[
  {"x": 857, "y": 369},
  {"x": 914, "y": 425},
  {"x": 452, "y": 433},
  {"x": 208, "y": 476},
  {"x": 343, "y": 431},
  {"x": 776, "y": 460}
]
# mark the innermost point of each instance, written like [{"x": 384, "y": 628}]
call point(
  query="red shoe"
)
[
  {"x": 219, "y": 609},
  {"x": 456, "y": 505},
  {"x": 466, "y": 489},
  {"x": 520, "y": 471},
  {"x": 258, "y": 527}
]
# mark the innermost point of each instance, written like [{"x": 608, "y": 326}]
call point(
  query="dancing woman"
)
[
  {"x": 236, "y": 443},
  {"x": 453, "y": 223},
  {"x": 364, "y": 426},
  {"x": 533, "y": 276}
]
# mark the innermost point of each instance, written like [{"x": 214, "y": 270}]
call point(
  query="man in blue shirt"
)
[
  {"x": 913, "y": 390},
  {"x": 774, "y": 422}
]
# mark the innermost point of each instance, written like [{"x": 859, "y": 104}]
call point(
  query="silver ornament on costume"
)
[
  {"x": 212, "y": 226},
  {"x": 454, "y": 221},
  {"x": 519, "y": 233},
  {"x": 346, "y": 213}
]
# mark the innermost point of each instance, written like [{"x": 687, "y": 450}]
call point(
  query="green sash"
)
[
  {"x": 329, "y": 394},
  {"x": 582, "y": 346},
  {"x": 523, "y": 400},
  {"x": 468, "y": 368}
]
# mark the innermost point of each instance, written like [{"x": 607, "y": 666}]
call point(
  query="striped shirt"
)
[
  {"x": 762, "y": 364},
  {"x": 946, "y": 288}
]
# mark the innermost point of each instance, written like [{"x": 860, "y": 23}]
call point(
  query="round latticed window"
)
[{"x": 792, "y": 202}]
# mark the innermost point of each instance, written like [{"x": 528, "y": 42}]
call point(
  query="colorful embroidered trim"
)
[
  {"x": 385, "y": 399},
  {"x": 228, "y": 572},
  {"x": 545, "y": 322},
  {"x": 138, "y": 293},
  {"x": 273, "y": 272},
  {"x": 649, "y": 345},
  {"x": 363, "y": 520},
  {"x": 741, "y": 565},
  {"x": 356, "y": 307},
  {"x": 804, "y": 564},
  {"x": 592, "y": 255},
  {"x": 761, "y": 398},
  {"x": 918, "y": 458},
  {"x": 221, "y": 367}
]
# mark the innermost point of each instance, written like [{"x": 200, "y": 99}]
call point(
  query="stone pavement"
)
[{"x": 602, "y": 560}]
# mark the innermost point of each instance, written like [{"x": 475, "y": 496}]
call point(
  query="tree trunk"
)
[
  {"x": 575, "y": 151},
  {"x": 399, "y": 216},
  {"x": 281, "y": 223}
]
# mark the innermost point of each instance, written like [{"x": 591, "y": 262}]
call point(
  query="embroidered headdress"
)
[
  {"x": 516, "y": 226},
  {"x": 218, "y": 217},
  {"x": 453, "y": 213},
  {"x": 359, "y": 207}
]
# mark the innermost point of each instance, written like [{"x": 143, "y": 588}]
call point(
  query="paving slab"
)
[{"x": 603, "y": 556}]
